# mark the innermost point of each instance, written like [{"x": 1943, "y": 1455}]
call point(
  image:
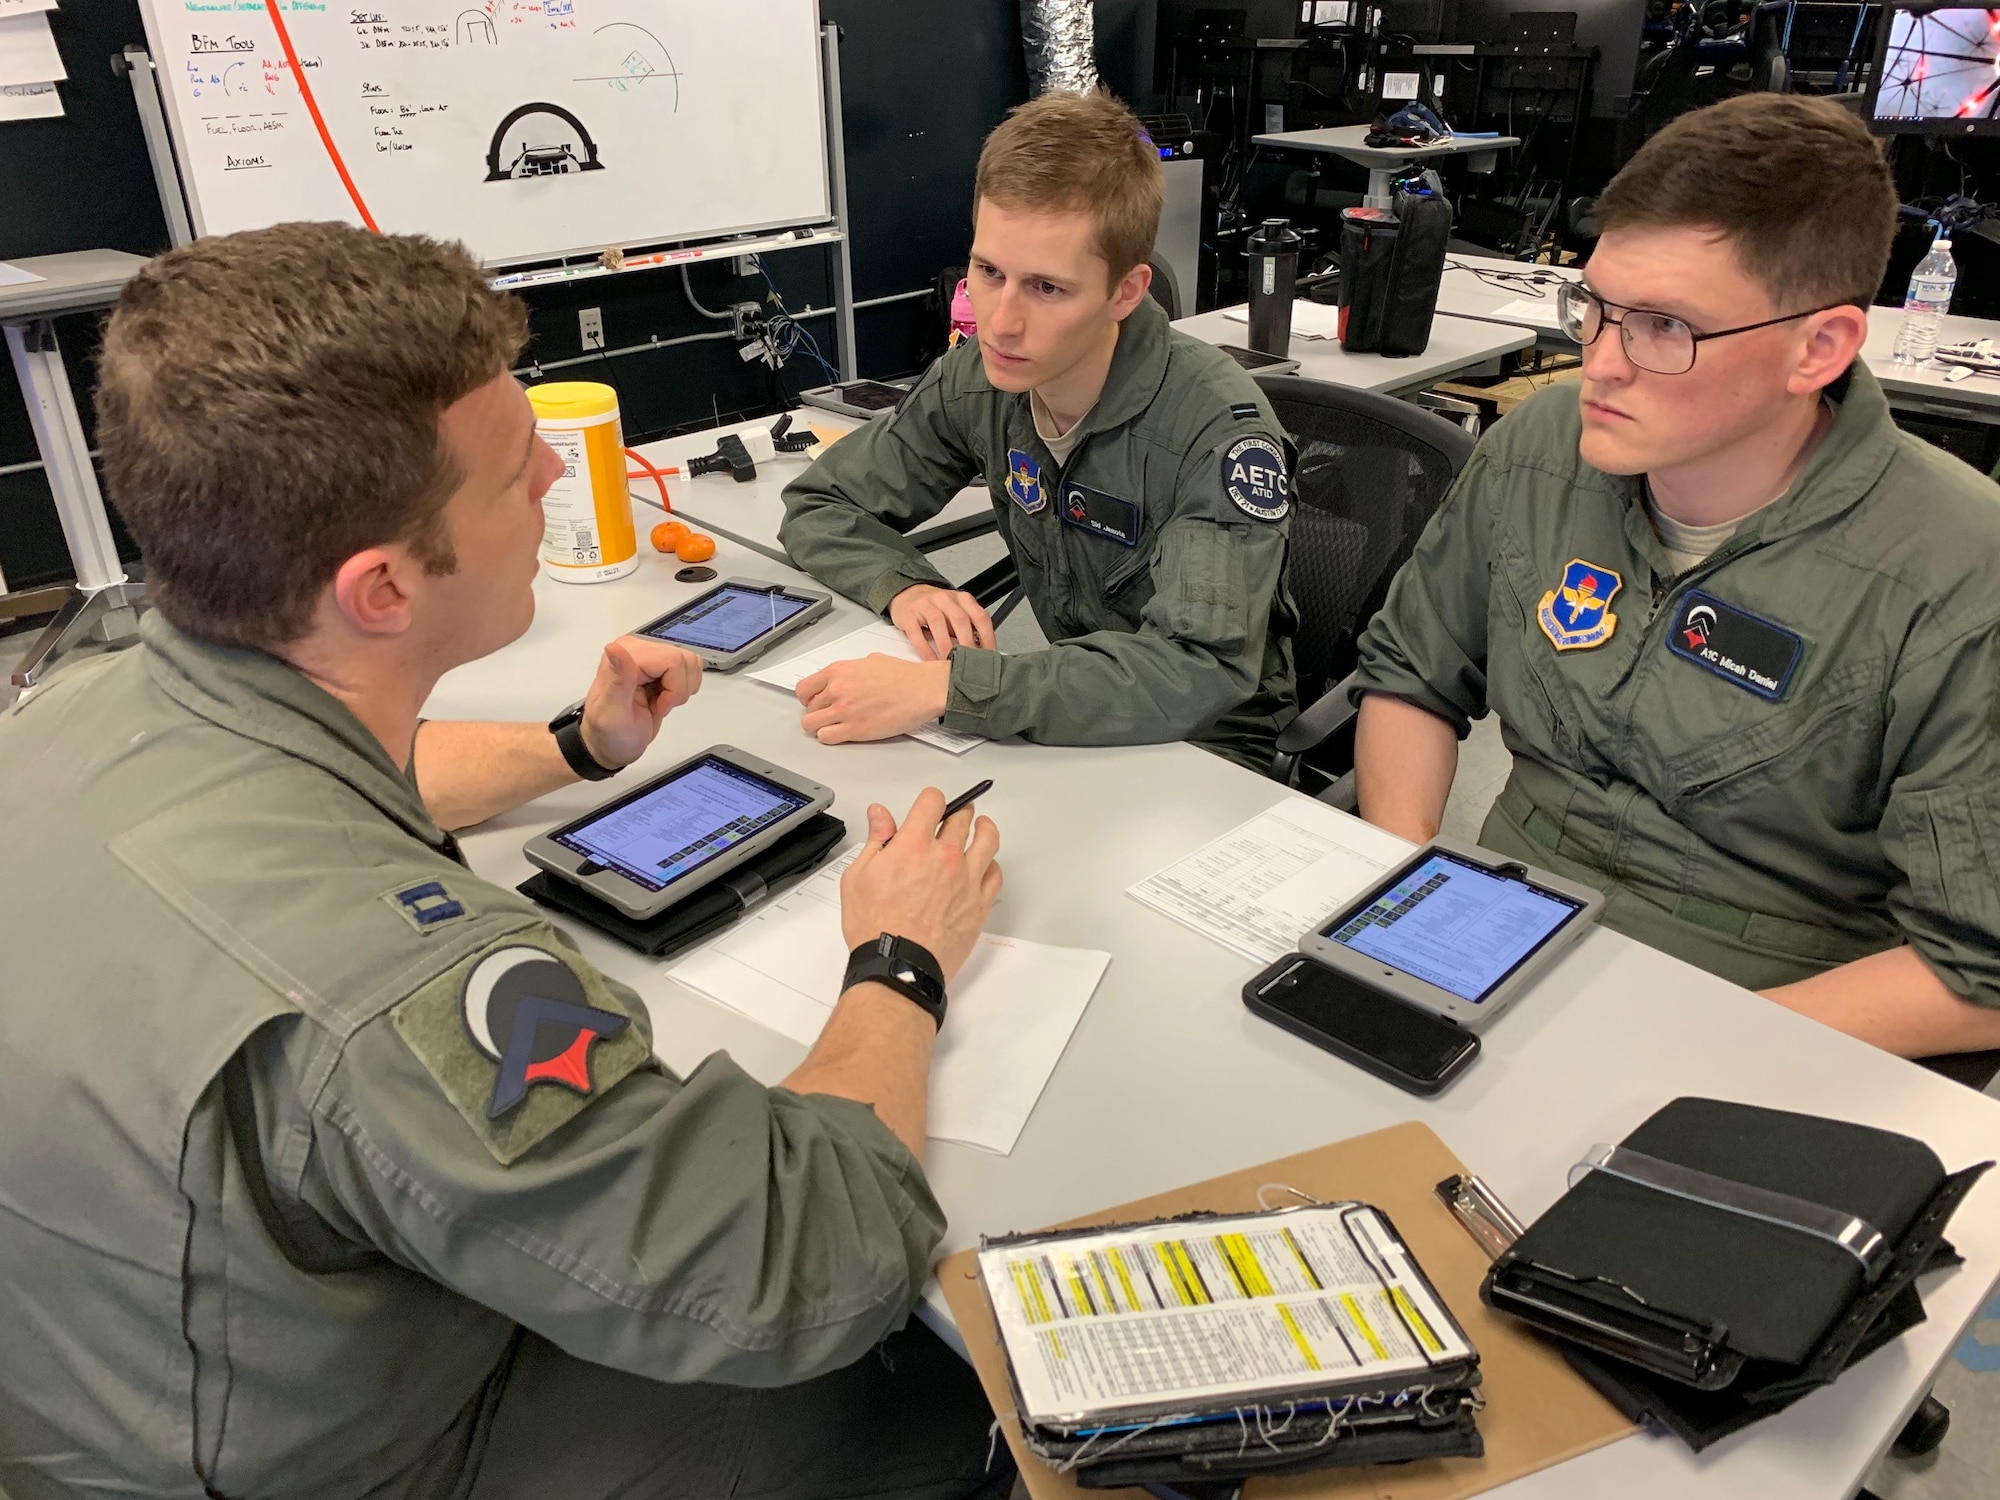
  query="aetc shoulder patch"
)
[
  {"x": 521, "y": 1037},
  {"x": 1253, "y": 476}
]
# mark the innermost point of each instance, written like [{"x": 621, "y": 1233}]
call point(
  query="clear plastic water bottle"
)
[{"x": 1924, "y": 307}]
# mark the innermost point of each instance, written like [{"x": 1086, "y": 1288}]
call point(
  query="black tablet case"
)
[
  {"x": 706, "y": 911},
  {"x": 1781, "y": 1311}
]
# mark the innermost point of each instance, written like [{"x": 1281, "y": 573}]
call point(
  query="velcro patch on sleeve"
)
[
  {"x": 1254, "y": 478},
  {"x": 521, "y": 1036},
  {"x": 1244, "y": 411}
]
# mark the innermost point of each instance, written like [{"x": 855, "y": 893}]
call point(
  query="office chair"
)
[
  {"x": 1371, "y": 473},
  {"x": 1166, "y": 287}
]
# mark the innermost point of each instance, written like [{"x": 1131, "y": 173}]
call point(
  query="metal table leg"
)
[{"x": 102, "y": 606}]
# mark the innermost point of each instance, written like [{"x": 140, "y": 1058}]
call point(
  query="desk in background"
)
[
  {"x": 1168, "y": 1078},
  {"x": 1385, "y": 163}
]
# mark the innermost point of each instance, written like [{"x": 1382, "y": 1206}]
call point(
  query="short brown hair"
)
[
  {"x": 268, "y": 404},
  {"x": 1067, "y": 152},
  {"x": 1797, "y": 184}
]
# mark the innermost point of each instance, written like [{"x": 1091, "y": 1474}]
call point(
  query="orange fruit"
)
[
  {"x": 670, "y": 534},
  {"x": 694, "y": 547}
]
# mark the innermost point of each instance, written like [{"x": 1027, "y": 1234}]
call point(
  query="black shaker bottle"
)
[{"x": 1274, "y": 272}]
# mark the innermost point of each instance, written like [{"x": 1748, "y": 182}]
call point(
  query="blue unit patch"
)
[
  {"x": 1576, "y": 614},
  {"x": 1024, "y": 481},
  {"x": 425, "y": 907},
  {"x": 1253, "y": 476}
]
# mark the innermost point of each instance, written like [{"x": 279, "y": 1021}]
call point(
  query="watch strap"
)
[
  {"x": 567, "y": 728},
  {"x": 908, "y": 968}
]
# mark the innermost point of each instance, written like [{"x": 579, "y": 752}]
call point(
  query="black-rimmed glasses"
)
[{"x": 1654, "y": 341}]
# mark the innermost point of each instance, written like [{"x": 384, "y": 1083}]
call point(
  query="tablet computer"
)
[
  {"x": 738, "y": 620},
  {"x": 1259, "y": 363},
  {"x": 857, "y": 398},
  {"x": 1456, "y": 929},
  {"x": 680, "y": 831}
]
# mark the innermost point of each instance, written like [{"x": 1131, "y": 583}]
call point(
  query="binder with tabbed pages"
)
[{"x": 1203, "y": 1319}]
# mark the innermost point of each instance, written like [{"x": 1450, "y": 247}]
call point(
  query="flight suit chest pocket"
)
[{"x": 1819, "y": 748}]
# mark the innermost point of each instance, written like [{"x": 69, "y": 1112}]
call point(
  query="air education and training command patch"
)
[
  {"x": 1024, "y": 481},
  {"x": 1253, "y": 476},
  {"x": 521, "y": 1038},
  {"x": 1576, "y": 614}
]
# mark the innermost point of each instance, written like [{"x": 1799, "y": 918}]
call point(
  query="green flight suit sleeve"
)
[
  {"x": 1941, "y": 825},
  {"x": 847, "y": 518},
  {"x": 1428, "y": 642},
  {"x": 706, "y": 1229},
  {"x": 1198, "y": 652}
]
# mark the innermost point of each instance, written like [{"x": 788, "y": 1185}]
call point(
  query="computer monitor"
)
[
  {"x": 1613, "y": 27},
  {"x": 1935, "y": 72}
]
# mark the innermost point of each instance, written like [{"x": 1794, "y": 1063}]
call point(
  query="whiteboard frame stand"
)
[{"x": 138, "y": 66}]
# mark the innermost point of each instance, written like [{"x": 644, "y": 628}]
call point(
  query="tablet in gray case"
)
[
  {"x": 738, "y": 620},
  {"x": 1456, "y": 929}
]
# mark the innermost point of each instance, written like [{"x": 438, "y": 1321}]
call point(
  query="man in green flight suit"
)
[
  {"x": 332, "y": 1171},
  {"x": 1741, "y": 632},
  {"x": 1138, "y": 476}
]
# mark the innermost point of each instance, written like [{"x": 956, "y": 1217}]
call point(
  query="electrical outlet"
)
[
  {"x": 746, "y": 265},
  {"x": 590, "y": 324},
  {"x": 748, "y": 320}
]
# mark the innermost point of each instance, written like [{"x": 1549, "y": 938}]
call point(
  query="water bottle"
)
[
  {"x": 1274, "y": 267},
  {"x": 1929, "y": 299}
]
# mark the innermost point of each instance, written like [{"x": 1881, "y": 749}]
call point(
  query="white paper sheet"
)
[
  {"x": 1310, "y": 320},
  {"x": 28, "y": 50},
  {"x": 1013, "y": 1006},
  {"x": 869, "y": 640},
  {"x": 1265, "y": 883},
  {"x": 1528, "y": 310},
  {"x": 29, "y": 101},
  {"x": 24, "y": 7},
  {"x": 15, "y": 276}
]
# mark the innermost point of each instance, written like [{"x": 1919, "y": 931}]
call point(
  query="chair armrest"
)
[
  {"x": 951, "y": 533},
  {"x": 1342, "y": 795},
  {"x": 1325, "y": 718}
]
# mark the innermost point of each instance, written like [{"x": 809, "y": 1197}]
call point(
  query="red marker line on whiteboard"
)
[{"x": 312, "y": 108}]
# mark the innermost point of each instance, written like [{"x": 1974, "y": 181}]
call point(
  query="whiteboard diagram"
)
[{"x": 529, "y": 129}]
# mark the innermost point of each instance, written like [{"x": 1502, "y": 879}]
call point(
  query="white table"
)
[
  {"x": 1923, "y": 388},
  {"x": 1384, "y": 162},
  {"x": 750, "y": 513},
  {"x": 101, "y": 603},
  {"x": 1169, "y": 1080},
  {"x": 1458, "y": 346},
  {"x": 1465, "y": 293}
]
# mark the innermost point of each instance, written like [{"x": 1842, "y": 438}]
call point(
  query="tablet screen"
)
[
  {"x": 1454, "y": 925},
  {"x": 729, "y": 619},
  {"x": 682, "y": 824}
]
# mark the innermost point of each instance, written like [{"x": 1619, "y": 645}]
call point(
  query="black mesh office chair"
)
[
  {"x": 1166, "y": 287},
  {"x": 1371, "y": 473}
]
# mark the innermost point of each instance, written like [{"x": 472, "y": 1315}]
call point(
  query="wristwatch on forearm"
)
[
  {"x": 567, "y": 727},
  {"x": 904, "y": 966}
]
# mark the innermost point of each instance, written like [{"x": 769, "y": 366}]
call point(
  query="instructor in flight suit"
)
[
  {"x": 329, "y": 1170},
  {"x": 1741, "y": 632},
  {"x": 1138, "y": 476}
]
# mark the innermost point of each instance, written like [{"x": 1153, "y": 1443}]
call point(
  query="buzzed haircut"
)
[
  {"x": 268, "y": 405},
  {"x": 1797, "y": 184},
  {"x": 1070, "y": 153}
]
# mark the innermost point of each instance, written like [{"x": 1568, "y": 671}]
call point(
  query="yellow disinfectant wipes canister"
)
[{"x": 587, "y": 513}]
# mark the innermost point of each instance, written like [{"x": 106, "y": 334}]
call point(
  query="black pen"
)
[{"x": 964, "y": 800}]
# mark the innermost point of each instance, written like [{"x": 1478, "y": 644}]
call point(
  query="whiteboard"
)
[{"x": 528, "y": 129}]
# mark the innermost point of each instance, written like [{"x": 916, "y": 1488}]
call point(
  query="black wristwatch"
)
[
  {"x": 904, "y": 966},
  {"x": 567, "y": 727}
]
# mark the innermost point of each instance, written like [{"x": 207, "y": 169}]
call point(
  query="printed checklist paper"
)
[
  {"x": 1012, "y": 1008},
  {"x": 1264, "y": 884},
  {"x": 870, "y": 640},
  {"x": 1191, "y": 1313}
]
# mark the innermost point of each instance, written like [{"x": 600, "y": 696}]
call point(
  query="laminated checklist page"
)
[
  {"x": 1261, "y": 886},
  {"x": 1194, "y": 1314},
  {"x": 1012, "y": 1007},
  {"x": 870, "y": 640}
]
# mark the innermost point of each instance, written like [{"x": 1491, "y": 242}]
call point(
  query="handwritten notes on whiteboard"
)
[{"x": 526, "y": 128}]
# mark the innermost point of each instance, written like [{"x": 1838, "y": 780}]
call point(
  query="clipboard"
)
[{"x": 1538, "y": 1411}]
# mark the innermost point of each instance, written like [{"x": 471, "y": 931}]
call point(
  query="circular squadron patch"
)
[{"x": 1253, "y": 476}]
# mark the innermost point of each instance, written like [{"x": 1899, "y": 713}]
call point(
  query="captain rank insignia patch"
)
[{"x": 1576, "y": 614}]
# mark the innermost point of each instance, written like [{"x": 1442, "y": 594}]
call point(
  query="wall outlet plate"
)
[{"x": 590, "y": 327}]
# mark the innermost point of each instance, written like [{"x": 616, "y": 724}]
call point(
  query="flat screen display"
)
[
  {"x": 680, "y": 825},
  {"x": 728, "y": 619},
  {"x": 1454, "y": 925},
  {"x": 1938, "y": 71}
]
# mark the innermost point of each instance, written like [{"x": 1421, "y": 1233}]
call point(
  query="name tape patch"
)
[
  {"x": 1101, "y": 514},
  {"x": 1735, "y": 645},
  {"x": 1253, "y": 476}
]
